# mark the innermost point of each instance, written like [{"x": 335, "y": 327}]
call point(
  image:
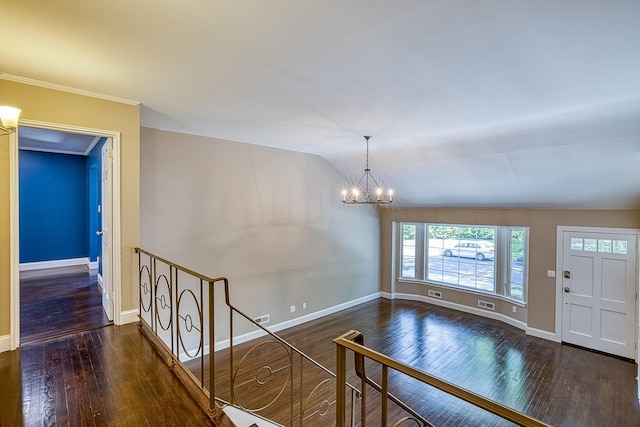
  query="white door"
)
[
  {"x": 598, "y": 288},
  {"x": 106, "y": 166}
]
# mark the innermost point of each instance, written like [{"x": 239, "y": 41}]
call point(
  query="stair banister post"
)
[
  {"x": 341, "y": 383},
  {"x": 212, "y": 358}
]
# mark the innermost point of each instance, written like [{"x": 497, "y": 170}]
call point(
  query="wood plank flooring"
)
[
  {"x": 558, "y": 384},
  {"x": 112, "y": 376},
  {"x": 59, "y": 301},
  {"x": 103, "y": 377}
]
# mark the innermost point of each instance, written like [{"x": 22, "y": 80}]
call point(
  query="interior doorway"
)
[
  {"x": 61, "y": 195},
  {"x": 90, "y": 270}
]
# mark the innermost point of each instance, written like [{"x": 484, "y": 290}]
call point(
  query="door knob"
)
[
  {"x": 566, "y": 289},
  {"x": 98, "y": 233},
  {"x": 567, "y": 274}
]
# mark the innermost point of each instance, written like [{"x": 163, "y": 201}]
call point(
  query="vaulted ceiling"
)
[{"x": 491, "y": 103}]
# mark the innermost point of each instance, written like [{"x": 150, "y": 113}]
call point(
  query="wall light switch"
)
[
  {"x": 551, "y": 273},
  {"x": 292, "y": 309}
]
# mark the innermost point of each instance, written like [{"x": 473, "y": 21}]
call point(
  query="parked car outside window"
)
[{"x": 480, "y": 250}]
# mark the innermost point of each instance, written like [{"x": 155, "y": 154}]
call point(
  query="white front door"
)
[
  {"x": 599, "y": 291},
  {"x": 105, "y": 208}
]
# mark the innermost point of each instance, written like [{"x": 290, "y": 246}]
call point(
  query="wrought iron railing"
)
[
  {"x": 181, "y": 312},
  {"x": 354, "y": 341}
]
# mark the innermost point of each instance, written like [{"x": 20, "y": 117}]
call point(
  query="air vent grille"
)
[
  {"x": 486, "y": 305},
  {"x": 262, "y": 319},
  {"x": 434, "y": 294}
]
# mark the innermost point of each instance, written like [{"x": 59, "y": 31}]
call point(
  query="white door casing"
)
[
  {"x": 14, "y": 232},
  {"x": 106, "y": 179},
  {"x": 597, "y": 276}
]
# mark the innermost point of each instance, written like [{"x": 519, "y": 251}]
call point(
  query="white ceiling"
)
[
  {"x": 492, "y": 103},
  {"x": 55, "y": 141}
]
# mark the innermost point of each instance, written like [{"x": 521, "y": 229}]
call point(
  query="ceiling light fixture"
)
[
  {"x": 8, "y": 119},
  {"x": 367, "y": 190}
]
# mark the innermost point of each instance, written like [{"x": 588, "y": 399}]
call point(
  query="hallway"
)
[{"x": 59, "y": 301}]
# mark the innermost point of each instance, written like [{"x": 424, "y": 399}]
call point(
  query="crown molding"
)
[{"x": 54, "y": 86}]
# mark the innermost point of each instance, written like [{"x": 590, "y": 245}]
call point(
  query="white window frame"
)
[{"x": 502, "y": 261}]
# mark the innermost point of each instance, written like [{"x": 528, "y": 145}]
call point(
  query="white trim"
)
[
  {"x": 57, "y": 263},
  {"x": 534, "y": 332},
  {"x": 559, "y": 259},
  {"x": 115, "y": 232},
  {"x": 474, "y": 292},
  {"x": 220, "y": 345},
  {"x": 52, "y": 151},
  {"x": 460, "y": 307},
  {"x": 61, "y": 88},
  {"x": 5, "y": 343},
  {"x": 223, "y": 344},
  {"x": 129, "y": 316},
  {"x": 539, "y": 333},
  {"x": 14, "y": 242}
]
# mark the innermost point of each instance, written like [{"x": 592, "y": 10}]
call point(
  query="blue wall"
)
[{"x": 54, "y": 220}]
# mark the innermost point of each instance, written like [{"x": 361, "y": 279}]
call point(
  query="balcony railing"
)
[
  {"x": 354, "y": 341},
  {"x": 225, "y": 358}
]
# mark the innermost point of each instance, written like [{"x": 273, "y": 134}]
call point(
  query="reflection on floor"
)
[{"x": 59, "y": 301}]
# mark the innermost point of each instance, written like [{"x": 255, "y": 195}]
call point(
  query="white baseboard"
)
[
  {"x": 460, "y": 307},
  {"x": 223, "y": 344},
  {"x": 534, "y": 332},
  {"x": 539, "y": 333},
  {"x": 129, "y": 316},
  {"x": 71, "y": 262},
  {"x": 5, "y": 343},
  {"x": 92, "y": 265}
]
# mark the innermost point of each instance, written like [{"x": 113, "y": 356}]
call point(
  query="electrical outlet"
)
[
  {"x": 292, "y": 309},
  {"x": 304, "y": 305},
  {"x": 514, "y": 309}
]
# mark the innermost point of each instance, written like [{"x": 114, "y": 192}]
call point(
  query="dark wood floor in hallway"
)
[
  {"x": 59, "y": 301},
  {"x": 112, "y": 376}
]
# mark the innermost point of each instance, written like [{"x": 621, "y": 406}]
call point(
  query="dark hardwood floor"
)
[
  {"x": 103, "y": 377},
  {"x": 59, "y": 301},
  {"x": 112, "y": 376},
  {"x": 558, "y": 384}
]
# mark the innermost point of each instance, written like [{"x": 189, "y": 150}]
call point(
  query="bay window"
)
[{"x": 481, "y": 258}]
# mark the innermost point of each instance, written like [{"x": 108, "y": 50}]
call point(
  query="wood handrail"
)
[
  {"x": 180, "y": 267},
  {"x": 348, "y": 340}
]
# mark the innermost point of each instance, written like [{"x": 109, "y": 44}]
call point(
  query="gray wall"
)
[{"x": 269, "y": 220}]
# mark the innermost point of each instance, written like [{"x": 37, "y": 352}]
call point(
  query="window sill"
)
[{"x": 465, "y": 290}]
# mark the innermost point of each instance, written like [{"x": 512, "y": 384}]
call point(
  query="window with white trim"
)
[{"x": 482, "y": 258}]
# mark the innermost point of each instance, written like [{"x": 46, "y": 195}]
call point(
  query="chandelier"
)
[
  {"x": 8, "y": 119},
  {"x": 367, "y": 190}
]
